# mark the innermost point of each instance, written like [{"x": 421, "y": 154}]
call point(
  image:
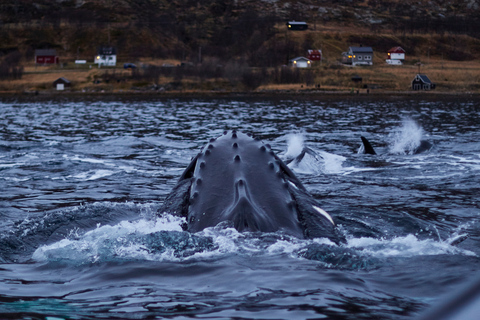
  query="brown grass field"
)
[{"x": 449, "y": 76}]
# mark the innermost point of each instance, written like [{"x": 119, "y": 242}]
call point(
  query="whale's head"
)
[{"x": 240, "y": 181}]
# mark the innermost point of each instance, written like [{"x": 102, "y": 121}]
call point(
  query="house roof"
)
[
  {"x": 62, "y": 80},
  {"x": 297, "y": 23},
  {"x": 361, "y": 49},
  {"x": 45, "y": 52},
  {"x": 423, "y": 78},
  {"x": 107, "y": 50},
  {"x": 396, "y": 50},
  {"x": 300, "y": 58},
  {"x": 314, "y": 51}
]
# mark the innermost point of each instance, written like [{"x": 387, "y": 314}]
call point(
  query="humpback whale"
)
[
  {"x": 367, "y": 148},
  {"x": 300, "y": 157},
  {"x": 240, "y": 181}
]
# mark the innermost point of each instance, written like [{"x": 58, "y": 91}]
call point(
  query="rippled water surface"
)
[{"x": 81, "y": 183}]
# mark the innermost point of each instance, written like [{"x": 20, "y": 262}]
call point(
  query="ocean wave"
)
[{"x": 162, "y": 239}]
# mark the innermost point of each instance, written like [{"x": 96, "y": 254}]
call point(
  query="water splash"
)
[
  {"x": 125, "y": 240},
  {"x": 333, "y": 162},
  {"x": 162, "y": 239},
  {"x": 295, "y": 145},
  {"x": 313, "y": 161},
  {"x": 405, "y": 139}
]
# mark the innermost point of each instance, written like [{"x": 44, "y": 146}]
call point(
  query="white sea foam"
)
[
  {"x": 89, "y": 160},
  {"x": 107, "y": 240},
  {"x": 162, "y": 239},
  {"x": 309, "y": 165},
  {"x": 406, "y": 246},
  {"x": 110, "y": 168},
  {"x": 14, "y": 179},
  {"x": 333, "y": 162},
  {"x": 94, "y": 174},
  {"x": 320, "y": 162},
  {"x": 314, "y": 162},
  {"x": 470, "y": 163},
  {"x": 10, "y": 165}
]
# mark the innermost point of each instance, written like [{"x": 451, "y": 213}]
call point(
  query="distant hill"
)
[{"x": 252, "y": 32}]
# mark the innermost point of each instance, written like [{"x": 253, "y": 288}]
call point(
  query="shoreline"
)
[{"x": 264, "y": 94}]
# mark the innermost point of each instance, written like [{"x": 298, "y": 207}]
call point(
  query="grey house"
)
[{"x": 358, "y": 56}]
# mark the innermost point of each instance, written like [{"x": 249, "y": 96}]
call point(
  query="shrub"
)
[{"x": 252, "y": 79}]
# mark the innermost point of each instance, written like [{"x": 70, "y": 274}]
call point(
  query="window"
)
[
  {"x": 368, "y": 58},
  {"x": 359, "y": 57}
]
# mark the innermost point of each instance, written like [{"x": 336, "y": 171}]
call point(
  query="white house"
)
[
  {"x": 106, "y": 56},
  {"x": 301, "y": 62}
]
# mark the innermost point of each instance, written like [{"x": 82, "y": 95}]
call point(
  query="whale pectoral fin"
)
[
  {"x": 315, "y": 222},
  {"x": 177, "y": 201},
  {"x": 300, "y": 157},
  {"x": 310, "y": 152},
  {"x": 289, "y": 174},
  {"x": 188, "y": 172}
]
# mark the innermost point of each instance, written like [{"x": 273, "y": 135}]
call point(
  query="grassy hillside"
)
[
  {"x": 243, "y": 42},
  {"x": 249, "y": 30}
]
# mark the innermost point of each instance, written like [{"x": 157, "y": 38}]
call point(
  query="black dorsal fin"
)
[{"x": 367, "y": 147}]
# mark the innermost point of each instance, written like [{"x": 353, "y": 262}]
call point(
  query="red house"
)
[
  {"x": 46, "y": 56},
  {"x": 315, "y": 55},
  {"x": 396, "y": 53}
]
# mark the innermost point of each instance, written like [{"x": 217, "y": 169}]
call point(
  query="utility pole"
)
[{"x": 419, "y": 64}]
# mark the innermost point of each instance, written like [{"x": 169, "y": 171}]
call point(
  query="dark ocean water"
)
[{"x": 81, "y": 182}]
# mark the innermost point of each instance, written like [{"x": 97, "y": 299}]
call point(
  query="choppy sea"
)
[{"x": 81, "y": 181}]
